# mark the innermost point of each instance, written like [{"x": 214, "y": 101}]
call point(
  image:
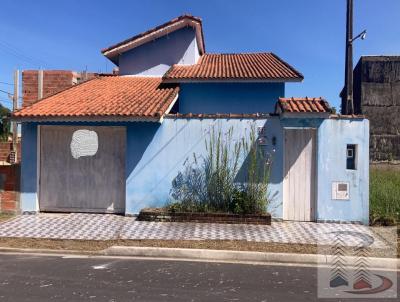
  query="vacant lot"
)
[{"x": 385, "y": 194}]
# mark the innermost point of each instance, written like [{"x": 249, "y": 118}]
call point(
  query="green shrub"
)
[
  {"x": 188, "y": 190},
  {"x": 4, "y": 123},
  {"x": 211, "y": 185},
  {"x": 384, "y": 196}
]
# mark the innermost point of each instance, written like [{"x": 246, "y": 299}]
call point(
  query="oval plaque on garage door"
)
[{"x": 84, "y": 143}]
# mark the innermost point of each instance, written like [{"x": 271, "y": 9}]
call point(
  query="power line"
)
[
  {"x": 9, "y": 93},
  {"x": 12, "y": 49},
  {"x": 20, "y": 55},
  {"x": 5, "y": 83}
]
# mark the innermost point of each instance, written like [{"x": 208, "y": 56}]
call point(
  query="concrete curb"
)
[
  {"x": 208, "y": 255},
  {"x": 215, "y": 255},
  {"x": 223, "y": 255},
  {"x": 47, "y": 251}
]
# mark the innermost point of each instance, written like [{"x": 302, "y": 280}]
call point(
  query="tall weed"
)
[{"x": 210, "y": 184}]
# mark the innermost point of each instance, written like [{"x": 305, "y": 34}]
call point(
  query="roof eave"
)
[
  {"x": 231, "y": 80},
  {"x": 113, "y": 52},
  {"x": 115, "y": 118}
]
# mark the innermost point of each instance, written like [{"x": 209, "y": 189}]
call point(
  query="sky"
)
[{"x": 308, "y": 34}]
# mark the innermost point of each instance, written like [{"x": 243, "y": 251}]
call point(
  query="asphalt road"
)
[{"x": 50, "y": 278}]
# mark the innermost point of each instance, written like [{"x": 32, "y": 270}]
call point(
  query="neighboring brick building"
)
[
  {"x": 377, "y": 95},
  {"x": 9, "y": 188},
  {"x": 53, "y": 81},
  {"x": 5, "y": 152},
  {"x": 9, "y": 179}
]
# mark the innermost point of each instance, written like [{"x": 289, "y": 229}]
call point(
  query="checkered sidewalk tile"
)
[{"x": 108, "y": 227}]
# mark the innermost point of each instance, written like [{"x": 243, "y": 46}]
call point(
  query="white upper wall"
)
[{"x": 156, "y": 57}]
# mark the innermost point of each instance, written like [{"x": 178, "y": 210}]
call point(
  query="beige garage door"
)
[
  {"x": 299, "y": 174},
  {"x": 82, "y": 169}
]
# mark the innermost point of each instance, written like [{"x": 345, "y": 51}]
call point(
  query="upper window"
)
[{"x": 351, "y": 154}]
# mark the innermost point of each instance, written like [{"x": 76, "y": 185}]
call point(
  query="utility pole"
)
[
  {"x": 40, "y": 84},
  {"x": 349, "y": 106},
  {"x": 15, "y": 107}
]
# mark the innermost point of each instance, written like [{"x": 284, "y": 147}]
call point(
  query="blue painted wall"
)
[
  {"x": 29, "y": 198},
  {"x": 151, "y": 172},
  {"x": 156, "y": 153},
  {"x": 332, "y": 138},
  {"x": 334, "y": 135},
  {"x": 229, "y": 97},
  {"x": 155, "y": 58}
]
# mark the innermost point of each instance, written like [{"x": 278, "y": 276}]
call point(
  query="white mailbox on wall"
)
[{"x": 340, "y": 190}]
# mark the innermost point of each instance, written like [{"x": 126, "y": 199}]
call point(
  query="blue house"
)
[{"x": 114, "y": 144}]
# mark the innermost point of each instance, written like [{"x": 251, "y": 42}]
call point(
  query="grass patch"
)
[
  {"x": 5, "y": 216},
  {"x": 385, "y": 195}
]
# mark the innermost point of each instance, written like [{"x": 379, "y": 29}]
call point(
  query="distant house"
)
[
  {"x": 377, "y": 96},
  {"x": 114, "y": 144}
]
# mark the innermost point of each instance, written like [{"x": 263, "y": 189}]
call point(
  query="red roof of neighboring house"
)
[
  {"x": 114, "y": 51},
  {"x": 300, "y": 105},
  {"x": 246, "y": 66},
  {"x": 106, "y": 98}
]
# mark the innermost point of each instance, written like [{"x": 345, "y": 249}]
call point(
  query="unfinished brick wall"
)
[
  {"x": 53, "y": 81},
  {"x": 377, "y": 95},
  {"x": 9, "y": 188},
  {"x": 5, "y": 152}
]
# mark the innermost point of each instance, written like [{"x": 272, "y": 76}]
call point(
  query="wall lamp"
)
[{"x": 361, "y": 36}]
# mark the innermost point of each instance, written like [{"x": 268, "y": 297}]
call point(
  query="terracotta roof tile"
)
[
  {"x": 110, "y": 96},
  {"x": 248, "y": 66},
  {"x": 307, "y": 105}
]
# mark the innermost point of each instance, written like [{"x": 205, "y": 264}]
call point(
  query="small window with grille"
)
[{"x": 351, "y": 163}]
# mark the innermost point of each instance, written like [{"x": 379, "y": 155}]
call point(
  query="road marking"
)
[
  {"x": 135, "y": 258},
  {"x": 101, "y": 266}
]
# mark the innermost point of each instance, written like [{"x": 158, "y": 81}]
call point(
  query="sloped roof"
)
[
  {"x": 106, "y": 98},
  {"x": 241, "y": 66},
  {"x": 303, "y": 105},
  {"x": 115, "y": 50}
]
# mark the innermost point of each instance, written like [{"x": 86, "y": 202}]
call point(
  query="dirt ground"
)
[
  {"x": 93, "y": 246},
  {"x": 4, "y": 217},
  {"x": 386, "y": 166}
]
